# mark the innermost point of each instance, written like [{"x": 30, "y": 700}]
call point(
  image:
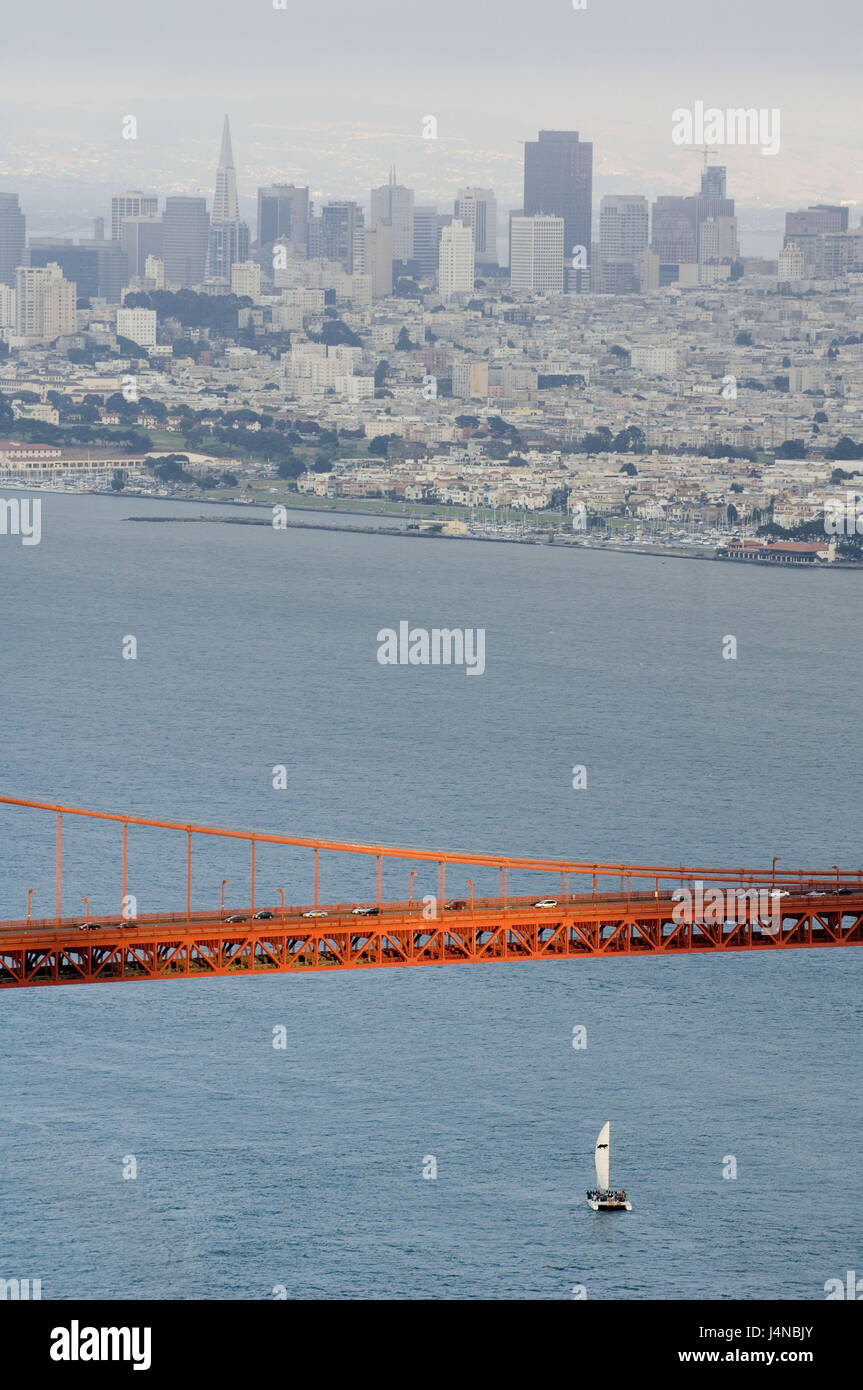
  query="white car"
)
[
  {"x": 315, "y": 912},
  {"x": 546, "y": 902}
]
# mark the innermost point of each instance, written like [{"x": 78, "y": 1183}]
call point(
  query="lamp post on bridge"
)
[
  {"x": 469, "y": 882},
  {"x": 222, "y": 907},
  {"x": 835, "y": 868},
  {"x": 413, "y": 875},
  {"x": 776, "y": 859},
  {"x": 30, "y": 892},
  {"x": 86, "y": 902},
  {"x": 281, "y": 893}
]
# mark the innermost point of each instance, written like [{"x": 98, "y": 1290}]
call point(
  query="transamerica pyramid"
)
[{"x": 225, "y": 206}]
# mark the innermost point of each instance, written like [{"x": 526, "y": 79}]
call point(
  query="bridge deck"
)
[{"x": 177, "y": 946}]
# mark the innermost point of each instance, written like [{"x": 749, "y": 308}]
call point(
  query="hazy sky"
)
[{"x": 331, "y": 94}]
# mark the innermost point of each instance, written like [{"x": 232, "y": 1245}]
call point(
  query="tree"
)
[
  {"x": 323, "y": 464},
  {"x": 732, "y": 513},
  {"x": 380, "y": 445},
  {"x": 629, "y": 468},
  {"x": 744, "y": 338},
  {"x": 381, "y": 372},
  {"x": 403, "y": 341},
  {"x": 118, "y": 481},
  {"x": 791, "y": 449},
  {"x": 289, "y": 467},
  {"x": 845, "y": 449}
]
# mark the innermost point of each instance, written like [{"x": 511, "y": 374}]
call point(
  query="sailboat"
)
[{"x": 604, "y": 1199}]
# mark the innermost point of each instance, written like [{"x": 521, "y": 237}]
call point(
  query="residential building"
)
[
  {"x": 45, "y": 303},
  {"x": 455, "y": 260}
]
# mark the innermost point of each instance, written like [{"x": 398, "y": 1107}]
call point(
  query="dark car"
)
[
  {"x": 455, "y": 905},
  {"x": 236, "y": 917},
  {"x": 264, "y": 916},
  {"x": 365, "y": 912}
]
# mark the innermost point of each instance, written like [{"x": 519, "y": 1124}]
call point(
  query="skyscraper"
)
[
  {"x": 185, "y": 233},
  {"x": 536, "y": 250},
  {"x": 378, "y": 258},
  {"x": 455, "y": 260},
  {"x": 428, "y": 224},
  {"x": 225, "y": 206},
  {"x": 133, "y": 203},
  {"x": 229, "y": 235},
  {"x": 13, "y": 227},
  {"x": 674, "y": 237},
  {"x": 623, "y": 236},
  {"x": 558, "y": 179},
  {"x": 477, "y": 209},
  {"x": 716, "y": 222},
  {"x": 340, "y": 223},
  {"x": 140, "y": 237},
  {"x": 283, "y": 213},
  {"x": 393, "y": 205}
]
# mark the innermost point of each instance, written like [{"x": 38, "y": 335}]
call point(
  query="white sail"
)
[{"x": 603, "y": 1156}]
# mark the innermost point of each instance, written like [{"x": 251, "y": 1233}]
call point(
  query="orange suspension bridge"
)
[{"x": 594, "y": 910}]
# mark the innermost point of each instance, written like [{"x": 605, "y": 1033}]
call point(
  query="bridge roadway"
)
[{"x": 194, "y": 944}]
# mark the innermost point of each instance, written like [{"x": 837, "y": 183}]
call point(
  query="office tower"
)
[
  {"x": 12, "y": 237},
  {"x": 229, "y": 243},
  {"x": 378, "y": 258},
  {"x": 45, "y": 303},
  {"x": 138, "y": 325},
  {"x": 716, "y": 224},
  {"x": 806, "y": 228},
  {"x": 394, "y": 205},
  {"x": 112, "y": 273},
  {"x": 717, "y": 241},
  {"x": 185, "y": 240},
  {"x": 246, "y": 279},
  {"x": 140, "y": 237},
  {"x": 811, "y": 221},
  {"x": 537, "y": 254},
  {"x": 225, "y": 205},
  {"x": 340, "y": 222},
  {"x": 792, "y": 262},
  {"x": 455, "y": 260},
  {"x": 229, "y": 236},
  {"x": 674, "y": 236},
  {"x": 98, "y": 229},
  {"x": 623, "y": 235},
  {"x": 428, "y": 225},
  {"x": 131, "y": 204},
  {"x": 98, "y": 268},
  {"x": 283, "y": 214},
  {"x": 558, "y": 179},
  {"x": 713, "y": 181},
  {"x": 477, "y": 209}
]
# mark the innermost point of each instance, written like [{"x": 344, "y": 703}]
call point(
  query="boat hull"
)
[{"x": 597, "y": 1203}]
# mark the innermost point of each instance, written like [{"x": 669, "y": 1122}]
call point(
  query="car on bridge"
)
[
  {"x": 363, "y": 911},
  {"x": 315, "y": 912},
  {"x": 546, "y": 902}
]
